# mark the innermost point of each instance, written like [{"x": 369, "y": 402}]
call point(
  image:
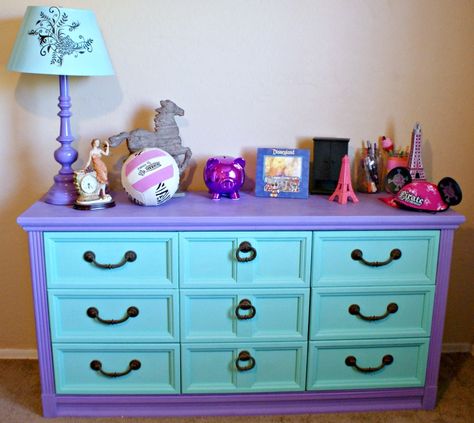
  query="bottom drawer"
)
[
  {"x": 367, "y": 364},
  {"x": 116, "y": 368},
  {"x": 257, "y": 367}
]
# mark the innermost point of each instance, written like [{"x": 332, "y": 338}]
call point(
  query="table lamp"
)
[{"x": 64, "y": 42}]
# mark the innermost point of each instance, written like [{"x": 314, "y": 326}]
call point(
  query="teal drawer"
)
[
  {"x": 73, "y": 318},
  {"x": 370, "y": 312},
  {"x": 274, "y": 259},
  {"x": 331, "y": 365},
  {"x": 158, "y": 371},
  {"x": 258, "y": 367},
  {"x": 154, "y": 266},
  {"x": 258, "y": 314},
  {"x": 335, "y": 258}
]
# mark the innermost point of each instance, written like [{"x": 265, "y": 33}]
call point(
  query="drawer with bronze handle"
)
[
  {"x": 374, "y": 258},
  {"x": 111, "y": 259},
  {"x": 223, "y": 315},
  {"x": 243, "y": 367},
  {"x": 365, "y": 364},
  {"x": 116, "y": 368},
  {"x": 245, "y": 259},
  {"x": 101, "y": 315},
  {"x": 371, "y": 312}
]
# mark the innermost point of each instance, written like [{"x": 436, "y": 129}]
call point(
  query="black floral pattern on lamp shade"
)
[{"x": 52, "y": 32}]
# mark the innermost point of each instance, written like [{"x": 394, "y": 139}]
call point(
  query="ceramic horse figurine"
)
[{"x": 166, "y": 135}]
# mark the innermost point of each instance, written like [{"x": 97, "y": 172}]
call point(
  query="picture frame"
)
[{"x": 282, "y": 173}]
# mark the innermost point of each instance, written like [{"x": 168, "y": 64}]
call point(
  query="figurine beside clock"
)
[{"x": 91, "y": 181}]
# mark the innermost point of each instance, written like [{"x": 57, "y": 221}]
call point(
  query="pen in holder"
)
[{"x": 370, "y": 169}]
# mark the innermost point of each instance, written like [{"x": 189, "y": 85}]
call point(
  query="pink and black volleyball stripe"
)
[{"x": 151, "y": 178}]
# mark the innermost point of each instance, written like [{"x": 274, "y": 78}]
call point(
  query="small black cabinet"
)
[{"x": 327, "y": 156}]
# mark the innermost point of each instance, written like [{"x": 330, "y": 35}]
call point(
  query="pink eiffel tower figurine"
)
[
  {"x": 415, "y": 166},
  {"x": 344, "y": 190}
]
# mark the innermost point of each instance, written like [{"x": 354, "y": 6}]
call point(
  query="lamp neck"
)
[
  {"x": 65, "y": 111},
  {"x": 63, "y": 191}
]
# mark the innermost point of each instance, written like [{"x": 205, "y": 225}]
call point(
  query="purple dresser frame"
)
[{"x": 196, "y": 211}]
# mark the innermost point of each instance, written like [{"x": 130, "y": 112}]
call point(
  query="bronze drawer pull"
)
[
  {"x": 245, "y": 305},
  {"x": 245, "y": 356},
  {"x": 97, "y": 366},
  {"x": 395, "y": 254},
  {"x": 129, "y": 256},
  {"x": 245, "y": 247},
  {"x": 93, "y": 313},
  {"x": 351, "y": 361},
  {"x": 354, "y": 309}
]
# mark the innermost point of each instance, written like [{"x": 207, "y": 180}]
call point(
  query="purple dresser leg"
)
[
  {"x": 437, "y": 323},
  {"x": 49, "y": 405},
  {"x": 43, "y": 336}
]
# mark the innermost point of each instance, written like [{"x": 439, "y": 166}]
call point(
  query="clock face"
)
[{"x": 89, "y": 184}]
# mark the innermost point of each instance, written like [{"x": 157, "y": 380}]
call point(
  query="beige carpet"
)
[{"x": 20, "y": 401}]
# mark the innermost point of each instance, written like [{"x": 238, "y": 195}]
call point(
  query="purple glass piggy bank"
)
[{"x": 224, "y": 175}]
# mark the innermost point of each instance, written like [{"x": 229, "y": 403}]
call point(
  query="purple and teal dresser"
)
[{"x": 255, "y": 306}]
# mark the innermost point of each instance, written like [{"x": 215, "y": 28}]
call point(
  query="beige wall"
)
[{"x": 249, "y": 73}]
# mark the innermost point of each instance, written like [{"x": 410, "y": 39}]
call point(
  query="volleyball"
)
[{"x": 150, "y": 176}]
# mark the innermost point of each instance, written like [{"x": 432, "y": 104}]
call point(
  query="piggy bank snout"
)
[{"x": 227, "y": 183}]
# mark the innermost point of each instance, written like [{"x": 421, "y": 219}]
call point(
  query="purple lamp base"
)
[{"x": 63, "y": 191}]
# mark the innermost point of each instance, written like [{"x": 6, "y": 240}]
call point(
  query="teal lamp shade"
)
[{"x": 58, "y": 41}]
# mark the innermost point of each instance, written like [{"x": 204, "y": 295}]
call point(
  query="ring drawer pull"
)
[
  {"x": 97, "y": 366},
  {"x": 245, "y": 356},
  {"x": 245, "y": 305},
  {"x": 351, "y": 361},
  {"x": 354, "y": 309},
  {"x": 357, "y": 255},
  {"x": 245, "y": 247},
  {"x": 129, "y": 256},
  {"x": 93, "y": 313}
]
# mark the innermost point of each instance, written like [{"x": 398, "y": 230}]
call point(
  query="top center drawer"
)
[
  {"x": 250, "y": 259},
  {"x": 111, "y": 259}
]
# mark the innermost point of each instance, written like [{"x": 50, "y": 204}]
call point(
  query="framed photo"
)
[{"x": 282, "y": 173}]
